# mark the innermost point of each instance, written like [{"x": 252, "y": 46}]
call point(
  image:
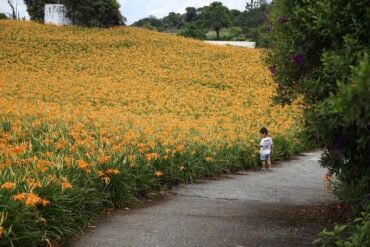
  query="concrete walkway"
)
[
  {"x": 233, "y": 43},
  {"x": 246, "y": 209}
]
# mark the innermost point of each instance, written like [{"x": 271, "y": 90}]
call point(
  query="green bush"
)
[
  {"x": 3, "y": 16},
  {"x": 260, "y": 35},
  {"x": 316, "y": 51},
  {"x": 233, "y": 34},
  {"x": 346, "y": 128},
  {"x": 355, "y": 234},
  {"x": 192, "y": 30}
]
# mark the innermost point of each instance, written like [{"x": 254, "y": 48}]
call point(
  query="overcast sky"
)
[{"x": 134, "y": 10}]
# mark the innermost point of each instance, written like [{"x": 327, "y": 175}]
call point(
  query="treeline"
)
[{"x": 227, "y": 24}]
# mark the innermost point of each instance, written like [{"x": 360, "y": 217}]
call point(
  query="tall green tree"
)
[
  {"x": 216, "y": 16},
  {"x": 173, "y": 21},
  {"x": 95, "y": 13},
  {"x": 191, "y": 14},
  {"x": 236, "y": 18},
  {"x": 253, "y": 17}
]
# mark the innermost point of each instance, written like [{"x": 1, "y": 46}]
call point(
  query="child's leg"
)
[
  {"x": 263, "y": 164},
  {"x": 269, "y": 165}
]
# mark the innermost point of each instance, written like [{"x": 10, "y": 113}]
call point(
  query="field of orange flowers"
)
[{"x": 94, "y": 118}]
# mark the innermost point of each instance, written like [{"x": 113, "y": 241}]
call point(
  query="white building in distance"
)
[{"x": 56, "y": 14}]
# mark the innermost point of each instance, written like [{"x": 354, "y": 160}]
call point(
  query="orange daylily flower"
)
[
  {"x": 66, "y": 186},
  {"x": 158, "y": 174}
]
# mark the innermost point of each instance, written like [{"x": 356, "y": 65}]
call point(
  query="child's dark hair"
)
[{"x": 264, "y": 131}]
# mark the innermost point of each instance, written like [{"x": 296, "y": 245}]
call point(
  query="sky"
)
[{"x": 134, "y": 10}]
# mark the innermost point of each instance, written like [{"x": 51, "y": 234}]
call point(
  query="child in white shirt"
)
[{"x": 266, "y": 149}]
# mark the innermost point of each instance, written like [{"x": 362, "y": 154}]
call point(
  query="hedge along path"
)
[{"x": 248, "y": 209}]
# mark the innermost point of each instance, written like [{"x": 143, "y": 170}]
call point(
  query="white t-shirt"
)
[{"x": 266, "y": 144}]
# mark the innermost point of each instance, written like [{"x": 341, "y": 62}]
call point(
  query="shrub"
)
[
  {"x": 233, "y": 33},
  {"x": 316, "y": 51},
  {"x": 345, "y": 129},
  {"x": 315, "y": 44},
  {"x": 354, "y": 234},
  {"x": 3, "y": 16},
  {"x": 192, "y": 30}
]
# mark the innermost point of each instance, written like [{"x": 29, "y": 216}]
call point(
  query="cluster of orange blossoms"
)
[{"x": 31, "y": 199}]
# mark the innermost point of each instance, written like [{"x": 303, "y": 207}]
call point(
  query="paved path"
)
[
  {"x": 246, "y": 209},
  {"x": 233, "y": 43}
]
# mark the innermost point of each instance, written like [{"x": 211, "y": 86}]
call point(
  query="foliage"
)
[
  {"x": 355, "y": 234},
  {"x": 93, "y": 118},
  {"x": 255, "y": 22},
  {"x": 236, "y": 18},
  {"x": 197, "y": 21},
  {"x": 3, "y": 16},
  {"x": 151, "y": 23},
  {"x": 194, "y": 22},
  {"x": 234, "y": 33},
  {"x": 316, "y": 51},
  {"x": 216, "y": 16},
  {"x": 231, "y": 33},
  {"x": 92, "y": 13},
  {"x": 191, "y": 30},
  {"x": 316, "y": 43},
  {"x": 348, "y": 140},
  {"x": 102, "y": 13},
  {"x": 254, "y": 17},
  {"x": 260, "y": 35},
  {"x": 191, "y": 14},
  {"x": 173, "y": 21}
]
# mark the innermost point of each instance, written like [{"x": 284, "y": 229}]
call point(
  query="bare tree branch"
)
[{"x": 14, "y": 14}]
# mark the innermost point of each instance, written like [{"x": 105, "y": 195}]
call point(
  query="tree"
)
[
  {"x": 236, "y": 17},
  {"x": 255, "y": 4},
  {"x": 172, "y": 21},
  {"x": 191, "y": 14},
  {"x": 100, "y": 13},
  {"x": 150, "y": 22},
  {"x": 254, "y": 17},
  {"x": 14, "y": 12},
  {"x": 216, "y": 17},
  {"x": 92, "y": 13}
]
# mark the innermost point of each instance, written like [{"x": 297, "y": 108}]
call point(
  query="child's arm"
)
[{"x": 260, "y": 145}]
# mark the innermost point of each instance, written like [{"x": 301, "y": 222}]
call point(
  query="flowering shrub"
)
[
  {"x": 316, "y": 51},
  {"x": 320, "y": 50},
  {"x": 93, "y": 118}
]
